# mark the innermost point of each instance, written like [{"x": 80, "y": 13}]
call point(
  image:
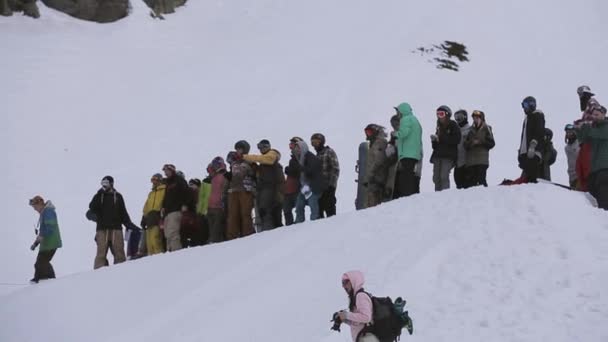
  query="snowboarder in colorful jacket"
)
[{"x": 48, "y": 238}]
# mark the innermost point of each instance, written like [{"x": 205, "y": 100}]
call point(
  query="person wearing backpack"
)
[
  {"x": 360, "y": 307},
  {"x": 270, "y": 180}
]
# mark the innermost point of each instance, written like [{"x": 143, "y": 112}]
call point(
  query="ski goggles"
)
[
  {"x": 569, "y": 127},
  {"x": 368, "y": 132},
  {"x": 442, "y": 114},
  {"x": 169, "y": 167},
  {"x": 527, "y": 105},
  {"x": 477, "y": 113},
  {"x": 263, "y": 147},
  {"x": 105, "y": 183}
]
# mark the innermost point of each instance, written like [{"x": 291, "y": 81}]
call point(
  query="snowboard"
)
[{"x": 360, "y": 169}]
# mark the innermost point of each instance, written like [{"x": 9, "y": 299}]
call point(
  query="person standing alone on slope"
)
[
  {"x": 48, "y": 238},
  {"x": 360, "y": 307}
]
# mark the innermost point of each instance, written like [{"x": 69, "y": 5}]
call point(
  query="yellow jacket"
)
[
  {"x": 269, "y": 158},
  {"x": 155, "y": 199}
]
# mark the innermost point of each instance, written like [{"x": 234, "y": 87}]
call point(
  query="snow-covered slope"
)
[
  {"x": 527, "y": 263},
  {"x": 82, "y": 100}
]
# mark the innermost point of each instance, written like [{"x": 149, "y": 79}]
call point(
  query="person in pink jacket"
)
[{"x": 360, "y": 307}]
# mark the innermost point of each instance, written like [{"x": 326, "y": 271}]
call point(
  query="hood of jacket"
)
[
  {"x": 303, "y": 151},
  {"x": 49, "y": 205},
  {"x": 405, "y": 109},
  {"x": 357, "y": 280}
]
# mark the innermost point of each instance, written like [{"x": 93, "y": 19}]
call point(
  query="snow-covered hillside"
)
[
  {"x": 526, "y": 263},
  {"x": 82, "y": 100}
]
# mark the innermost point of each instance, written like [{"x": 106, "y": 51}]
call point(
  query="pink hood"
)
[
  {"x": 362, "y": 314},
  {"x": 356, "y": 279}
]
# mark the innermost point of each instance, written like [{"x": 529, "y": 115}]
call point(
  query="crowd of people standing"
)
[{"x": 252, "y": 192}]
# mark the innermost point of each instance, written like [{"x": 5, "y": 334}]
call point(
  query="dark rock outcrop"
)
[
  {"x": 28, "y": 7},
  {"x": 101, "y": 11}
]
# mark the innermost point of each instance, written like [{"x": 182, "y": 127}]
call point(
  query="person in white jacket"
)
[{"x": 572, "y": 148}]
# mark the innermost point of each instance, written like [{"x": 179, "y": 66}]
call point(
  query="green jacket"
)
[
  {"x": 409, "y": 135},
  {"x": 49, "y": 228},
  {"x": 597, "y": 136},
  {"x": 203, "y": 197}
]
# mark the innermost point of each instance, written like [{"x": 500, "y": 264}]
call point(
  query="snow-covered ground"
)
[
  {"x": 82, "y": 100},
  {"x": 525, "y": 263}
]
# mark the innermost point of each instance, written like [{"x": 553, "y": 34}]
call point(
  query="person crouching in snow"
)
[
  {"x": 360, "y": 307},
  {"x": 48, "y": 238}
]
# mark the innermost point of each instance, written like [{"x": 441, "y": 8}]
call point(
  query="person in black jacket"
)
[
  {"x": 312, "y": 181},
  {"x": 549, "y": 155},
  {"x": 292, "y": 183},
  {"x": 177, "y": 199},
  {"x": 532, "y": 140},
  {"x": 109, "y": 211},
  {"x": 445, "y": 148}
]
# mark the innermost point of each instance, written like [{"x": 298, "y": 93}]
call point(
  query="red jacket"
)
[{"x": 583, "y": 166}]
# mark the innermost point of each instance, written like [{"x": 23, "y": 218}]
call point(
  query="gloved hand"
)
[
  {"x": 434, "y": 137},
  {"x": 143, "y": 223},
  {"x": 34, "y": 245},
  {"x": 532, "y": 149},
  {"x": 390, "y": 150},
  {"x": 342, "y": 315}
]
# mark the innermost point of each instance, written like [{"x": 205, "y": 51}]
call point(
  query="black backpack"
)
[{"x": 388, "y": 319}]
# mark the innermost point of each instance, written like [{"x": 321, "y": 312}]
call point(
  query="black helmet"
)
[
  {"x": 461, "y": 117},
  {"x": 244, "y": 145},
  {"x": 195, "y": 181},
  {"x": 318, "y": 136},
  {"x": 395, "y": 121},
  {"x": 548, "y": 134},
  {"x": 529, "y": 104}
]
